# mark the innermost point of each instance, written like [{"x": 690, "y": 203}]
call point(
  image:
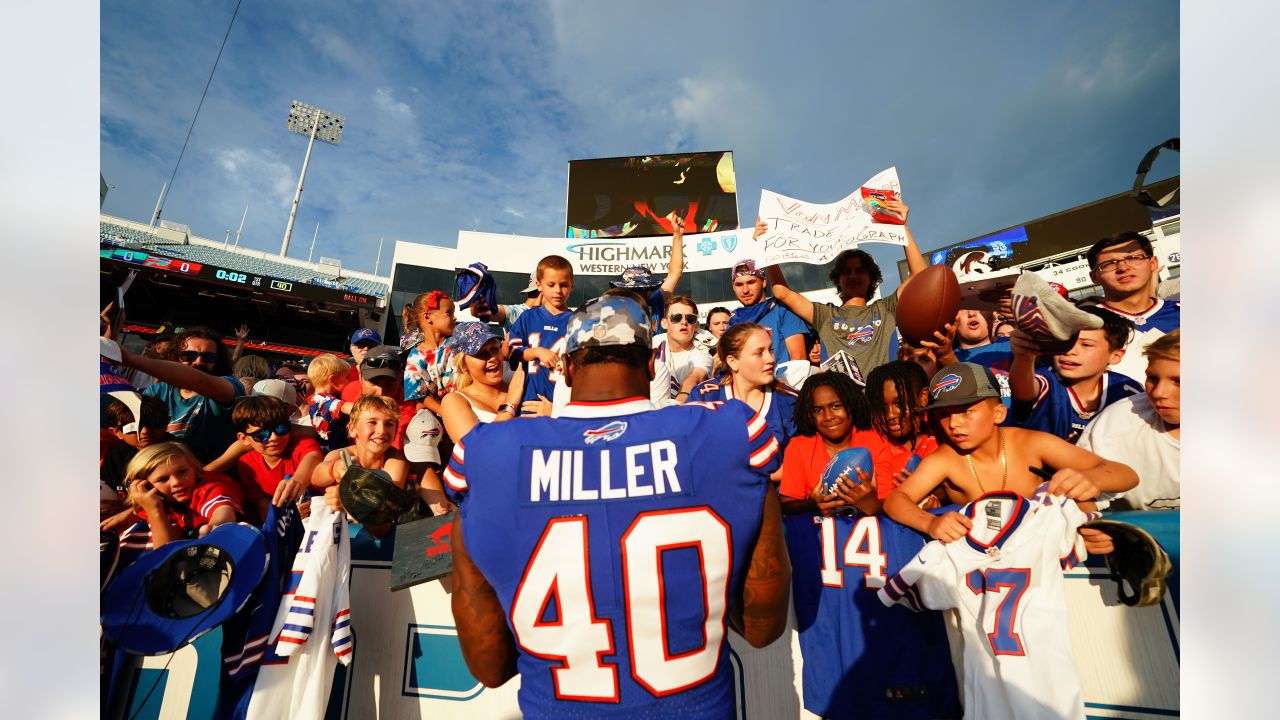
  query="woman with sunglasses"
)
[
  {"x": 198, "y": 388},
  {"x": 746, "y": 350},
  {"x": 688, "y": 364},
  {"x": 480, "y": 395}
]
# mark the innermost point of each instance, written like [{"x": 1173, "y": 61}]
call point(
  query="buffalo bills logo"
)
[
  {"x": 430, "y": 432},
  {"x": 949, "y": 382},
  {"x": 607, "y": 432},
  {"x": 862, "y": 334}
]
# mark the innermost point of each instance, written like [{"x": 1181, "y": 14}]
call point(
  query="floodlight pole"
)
[
  {"x": 313, "y": 243},
  {"x": 297, "y": 195},
  {"x": 155, "y": 214},
  {"x": 377, "y": 263},
  {"x": 315, "y": 123},
  {"x": 241, "y": 228},
  {"x": 226, "y": 239}
]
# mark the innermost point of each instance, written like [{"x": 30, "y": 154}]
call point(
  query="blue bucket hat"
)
[
  {"x": 174, "y": 594},
  {"x": 473, "y": 283},
  {"x": 607, "y": 321}
]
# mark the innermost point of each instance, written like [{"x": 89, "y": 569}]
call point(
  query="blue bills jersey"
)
[
  {"x": 778, "y": 409},
  {"x": 1056, "y": 409},
  {"x": 615, "y": 537},
  {"x": 862, "y": 659},
  {"x": 996, "y": 356},
  {"x": 538, "y": 327}
]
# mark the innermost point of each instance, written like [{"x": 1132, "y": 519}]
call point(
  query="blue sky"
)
[{"x": 464, "y": 115}]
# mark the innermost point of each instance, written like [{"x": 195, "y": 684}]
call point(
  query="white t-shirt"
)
[
  {"x": 1131, "y": 431},
  {"x": 660, "y": 393},
  {"x": 681, "y": 363},
  {"x": 1005, "y": 580}
]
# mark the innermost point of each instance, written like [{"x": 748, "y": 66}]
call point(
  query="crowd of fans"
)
[{"x": 192, "y": 437}]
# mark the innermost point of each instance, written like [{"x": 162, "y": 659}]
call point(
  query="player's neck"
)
[
  {"x": 606, "y": 382},
  {"x": 1134, "y": 303}
]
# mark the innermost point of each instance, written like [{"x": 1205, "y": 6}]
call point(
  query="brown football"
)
[{"x": 930, "y": 300}]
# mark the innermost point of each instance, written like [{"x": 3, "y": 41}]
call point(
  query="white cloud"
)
[
  {"x": 258, "y": 174},
  {"x": 385, "y": 101}
]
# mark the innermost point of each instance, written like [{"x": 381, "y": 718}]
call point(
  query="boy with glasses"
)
[
  {"x": 277, "y": 469},
  {"x": 688, "y": 364},
  {"x": 1126, "y": 267}
]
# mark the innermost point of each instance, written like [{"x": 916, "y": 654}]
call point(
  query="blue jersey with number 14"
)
[
  {"x": 538, "y": 327},
  {"x": 862, "y": 659},
  {"x": 616, "y": 536}
]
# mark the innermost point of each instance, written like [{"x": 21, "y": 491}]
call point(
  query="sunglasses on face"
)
[
  {"x": 383, "y": 361},
  {"x": 190, "y": 356},
  {"x": 265, "y": 434},
  {"x": 675, "y": 318},
  {"x": 148, "y": 423}
]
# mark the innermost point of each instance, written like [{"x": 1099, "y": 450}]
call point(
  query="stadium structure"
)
[
  {"x": 295, "y": 309},
  {"x": 1054, "y": 246}
]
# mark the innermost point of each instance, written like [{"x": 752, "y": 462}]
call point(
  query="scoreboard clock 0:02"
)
[{"x": 231, "y": 276}]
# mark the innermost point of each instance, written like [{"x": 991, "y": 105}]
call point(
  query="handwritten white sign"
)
[{"x": 800, "y": 231}]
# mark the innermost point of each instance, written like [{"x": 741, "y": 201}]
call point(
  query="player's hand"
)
[
  {"x": 1072, "y": 484},
  {"x": 949, "y": 527},
  {"x": 539, "y": 408},
  {"x": 761, "y": 228},
  {"x": 896, "y": 205},
  {"x": 1096, "y": 542},
  {"x": 242, "y": 333},
  {"x": 1020, "y": 343}
]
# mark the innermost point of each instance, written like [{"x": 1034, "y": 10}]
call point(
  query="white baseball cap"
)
[{"x": 422, "y": 438}]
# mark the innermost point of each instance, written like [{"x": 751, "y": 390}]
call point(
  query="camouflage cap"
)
[
  {"x": 636, "y": 278},
  {"x": 609, "y": 321}
]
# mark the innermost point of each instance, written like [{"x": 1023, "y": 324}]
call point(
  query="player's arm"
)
[
  {"x": 182, "y": 376},
  {"x": 487, "y": 644},
  {"x": 762, "y": 615},
  {"x": 903, "y": 503},
  {"x": 675, "y": 265},
  {"x": 1081, "y": 474},
  {"x": 915, "y": 259}
]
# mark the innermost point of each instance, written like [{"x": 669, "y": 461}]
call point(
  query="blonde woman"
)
[{"x": 480, "y": 394}]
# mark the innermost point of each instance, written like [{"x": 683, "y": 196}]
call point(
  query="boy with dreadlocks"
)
[{"x": 896, "y": 396}]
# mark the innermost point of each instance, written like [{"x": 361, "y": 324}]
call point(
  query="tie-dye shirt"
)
[{"x": 429, "y": 373}]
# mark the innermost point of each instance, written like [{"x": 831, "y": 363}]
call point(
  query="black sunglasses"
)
[
  {"x": 192, "y": 356},
  {"x": 265, "y": 434},
  {"x": 675, "y": 318},
  {"x": 384, "y": 361}
]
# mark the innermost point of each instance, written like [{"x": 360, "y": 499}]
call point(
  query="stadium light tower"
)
[{"x": 319, "y": 125}]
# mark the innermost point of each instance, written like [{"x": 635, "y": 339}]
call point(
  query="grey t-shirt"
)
[{"x": 864, "y": 332}]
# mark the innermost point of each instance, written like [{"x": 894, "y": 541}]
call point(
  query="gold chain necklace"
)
[{"x": 1004, "y": 466}]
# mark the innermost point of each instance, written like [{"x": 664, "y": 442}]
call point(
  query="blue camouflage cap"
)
[
  {"x": 609, "y": 321},
  {"x": 636, "y": 278}
]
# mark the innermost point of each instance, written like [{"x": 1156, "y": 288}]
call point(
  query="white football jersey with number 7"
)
[{"x": 1005, "y": 579}]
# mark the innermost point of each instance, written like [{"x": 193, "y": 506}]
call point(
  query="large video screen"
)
[{"x": 633, "y": 196}]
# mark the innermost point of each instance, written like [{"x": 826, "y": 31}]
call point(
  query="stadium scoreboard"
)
[{"x": 329, "y": 292}]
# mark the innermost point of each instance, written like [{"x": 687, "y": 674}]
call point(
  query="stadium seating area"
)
[{"x": 116, "y": 234}]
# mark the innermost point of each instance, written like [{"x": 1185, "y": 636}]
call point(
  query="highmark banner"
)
[
  {"x": 814, "y": 233},
  {"x": 605, "y": 256}
]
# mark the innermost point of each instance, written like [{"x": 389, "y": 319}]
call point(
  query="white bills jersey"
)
[
  {"x": 312, "y": 632},
  {"x": 1005, "y": 579}
]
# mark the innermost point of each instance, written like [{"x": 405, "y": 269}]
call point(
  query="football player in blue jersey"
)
[{"x": 572, "y": 529}]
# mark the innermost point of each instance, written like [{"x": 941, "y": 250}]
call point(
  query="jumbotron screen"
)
[{"x": 633, "y": 196}]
